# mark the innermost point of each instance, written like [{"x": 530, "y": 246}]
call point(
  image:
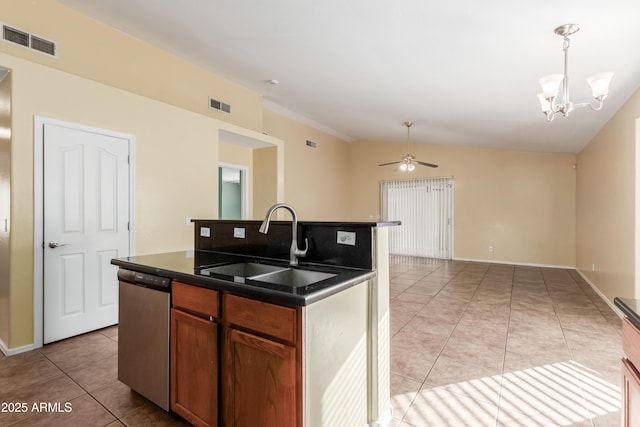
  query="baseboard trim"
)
[
  {"x": 615, "y": 309},
  {"x": 13, "y": 351},
  {"x": 385, "y": 419},
  {"x": 524, "y": 264}
]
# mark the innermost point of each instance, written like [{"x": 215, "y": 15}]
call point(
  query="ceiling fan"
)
[{"x": 409, "y": 162}]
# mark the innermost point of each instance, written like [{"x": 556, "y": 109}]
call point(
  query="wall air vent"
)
[
  {"x": 214, "y": 104},
  {"x": 42, "y": 45},
  {"x": 27, "y": 40},
  {"x": 311, "y": 144},
  {"x": 15, "y": 36}
]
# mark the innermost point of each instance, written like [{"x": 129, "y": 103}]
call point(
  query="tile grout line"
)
[
  {"x": 421, "y": 383},
  {"x": 451, "y": 333},
  {"x": 82, "y": 388},
  {"x": 506, "y": 341},
  {"x": 571, "y": 354}
]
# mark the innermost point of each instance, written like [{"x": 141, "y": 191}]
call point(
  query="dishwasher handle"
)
[{"x": 144, "y": 279}]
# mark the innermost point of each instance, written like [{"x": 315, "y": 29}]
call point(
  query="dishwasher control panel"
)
[{"x": 144, "y": 279}]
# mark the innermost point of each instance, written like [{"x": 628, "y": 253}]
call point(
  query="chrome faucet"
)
[{"x": 294, "y": 252}]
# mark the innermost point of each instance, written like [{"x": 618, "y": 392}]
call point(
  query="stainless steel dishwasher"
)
[{"x": 143, "y": 334}]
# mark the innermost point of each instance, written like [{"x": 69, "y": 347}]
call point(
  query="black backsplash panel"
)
[
  {"x": 324, "y": 248},
  {"x": 322, "y": 236}
]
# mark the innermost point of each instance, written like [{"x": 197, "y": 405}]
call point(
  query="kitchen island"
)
[
  {"x": 631, "y": 362},
  {"x": 273, "y": 352}
]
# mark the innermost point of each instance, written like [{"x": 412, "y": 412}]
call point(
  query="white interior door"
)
[{"x": 86, "y": 221}]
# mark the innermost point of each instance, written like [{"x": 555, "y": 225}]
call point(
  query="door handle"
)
[{"x": 53, "y": 244}]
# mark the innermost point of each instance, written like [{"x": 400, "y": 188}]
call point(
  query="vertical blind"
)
[{"x": 425, "y": 208}]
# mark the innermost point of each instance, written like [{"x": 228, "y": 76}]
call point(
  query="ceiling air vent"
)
[
  {"x": 29, "y": 41},
  {"x": 214, "y": 104}
]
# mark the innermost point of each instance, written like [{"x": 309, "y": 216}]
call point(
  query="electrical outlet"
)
[
  {"x": 188, "y": 221},
  {"x": 346, "y": 238},
  {"x": 490, "y": 248},
  {"x": 205, "y": 232},
  {"x": 238, "y": 232}
]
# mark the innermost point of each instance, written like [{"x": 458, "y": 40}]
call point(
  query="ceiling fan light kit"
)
[
  {"x": 408, "y": 163},
  {"x": 551, "y": 84}
]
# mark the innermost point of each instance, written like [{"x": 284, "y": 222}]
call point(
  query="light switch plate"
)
[
  {"x": 346, "y": 238},
  {"x": 205, "y": 232},
  {"x": 238, "y": 232}
]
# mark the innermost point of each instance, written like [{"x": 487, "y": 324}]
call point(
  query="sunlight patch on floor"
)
[{"x": 563, "y": 393}]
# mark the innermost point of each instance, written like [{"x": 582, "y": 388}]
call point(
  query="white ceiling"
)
[{"x": 464, "y": 71}]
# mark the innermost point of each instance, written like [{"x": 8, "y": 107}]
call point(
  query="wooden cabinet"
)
[
  {"x": 194, "y": 354},
  {"x": 630, "y": 375},
  {"x": 261, "y": 365},
  {"x": 259, "y": 360},
  {"x": 631, "y": 394},
  {"x": 259, "y": 381}
]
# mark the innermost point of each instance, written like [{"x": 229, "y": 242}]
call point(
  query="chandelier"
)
[{"x": 551, "y": 84}]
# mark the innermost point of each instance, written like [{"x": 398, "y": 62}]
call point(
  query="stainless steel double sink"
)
[{"x": 293, "y": 277}]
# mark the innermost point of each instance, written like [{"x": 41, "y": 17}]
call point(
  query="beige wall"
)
[
  {"x": 315, "y": 179},
  {"x": 171, "y": 182},
  {"x": 606, "y": 205},
  {"x": 92, "y": 50},
  {"x": 5, "y": 203},
  {"x": 521, "y": 203},
  {"x": 265, "y": 180}
]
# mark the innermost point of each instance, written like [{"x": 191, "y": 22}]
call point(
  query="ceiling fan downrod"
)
[{"x": 408, "y": 162}]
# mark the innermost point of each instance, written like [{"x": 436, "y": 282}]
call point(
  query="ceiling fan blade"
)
[
  {"x": 431, "y": 165},
  {"x": 391, "y": 163}
]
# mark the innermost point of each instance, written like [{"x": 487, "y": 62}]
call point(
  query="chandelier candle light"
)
[{"x": 551, "y": 84}]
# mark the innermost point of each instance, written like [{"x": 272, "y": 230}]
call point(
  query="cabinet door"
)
[
  {"x": 194, "y": 368},
  {"x": 631, "y": 394},
  {"x": 259, "y": 382}
]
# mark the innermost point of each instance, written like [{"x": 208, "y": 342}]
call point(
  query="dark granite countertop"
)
[
  {"x": 186, "y": 266},
  {"x": 630, "y": 307},
  {"x": 325, "y": 223}
]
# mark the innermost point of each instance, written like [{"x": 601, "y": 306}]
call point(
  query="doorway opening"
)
[
  {"x": 425, "y": 209},
  {"x": 233, "y": 195}
]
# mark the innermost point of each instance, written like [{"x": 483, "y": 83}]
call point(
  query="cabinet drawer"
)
[
  {"x": 631, "y": 341},
  {"x": 195, "y": 299},
  {"x": 273, "y": 320}
]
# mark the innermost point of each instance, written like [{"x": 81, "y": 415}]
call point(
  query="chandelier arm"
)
[
  {"x": 565, "y": 80},
  {"x": 597, "y": 107}
]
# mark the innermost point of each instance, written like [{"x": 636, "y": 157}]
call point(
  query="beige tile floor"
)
[
  {"x": 476, "y": 344},
  {"x": 472, "y": 345},
  {"x": 81, "y": 372}
]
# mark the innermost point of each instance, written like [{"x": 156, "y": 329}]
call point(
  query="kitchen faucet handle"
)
[{"x": 303, "y": 252}]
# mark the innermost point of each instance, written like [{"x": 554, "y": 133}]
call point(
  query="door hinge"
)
[{"x": 128, "y": 226}]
